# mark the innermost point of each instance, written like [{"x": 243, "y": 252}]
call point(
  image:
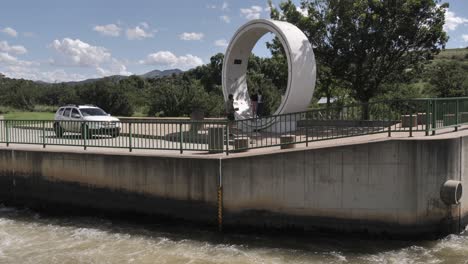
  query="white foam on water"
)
[{"x": 32, "y": 238}]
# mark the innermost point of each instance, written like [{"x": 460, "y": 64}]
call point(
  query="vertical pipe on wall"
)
[{"x": 220, "y": 196}]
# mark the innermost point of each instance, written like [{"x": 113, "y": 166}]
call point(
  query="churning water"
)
[{"x": 28, "y": 237}]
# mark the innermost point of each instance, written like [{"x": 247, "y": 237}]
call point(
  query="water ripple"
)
[{"x": 28, "y": 237}]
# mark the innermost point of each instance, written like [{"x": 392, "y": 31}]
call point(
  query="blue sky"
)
[{"x": 57, "y": 40}]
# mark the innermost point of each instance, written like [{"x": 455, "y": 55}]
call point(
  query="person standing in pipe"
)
[
  {"x": 254, "y": 104},
  {"x": 259, "y": 104},
  {"x": 229, "y": 108},
  {"x": 230, "y": 112}
]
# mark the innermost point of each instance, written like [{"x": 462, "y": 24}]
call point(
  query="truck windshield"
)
[{"x": 92, "y": 112}]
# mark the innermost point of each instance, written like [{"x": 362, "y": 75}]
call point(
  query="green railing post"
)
[
  {"x": 43, "y": 134},
  {"x": 456, "y": 114},
  {"x": 428, "y": 116},
  {"x": 130, "y": 136},
  {"x": 85, "y": 135},
  {"x": 411, "y": 123},
  {"x": 389, "y": 122},
  {"x": 227, "y": 139},
  {"x": 181, "y": 138},
  {"x": 7, "y": 134},
  {"x": 434, "y": 117}
]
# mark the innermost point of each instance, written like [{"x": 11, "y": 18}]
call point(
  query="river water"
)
[{"x": 30, "y": 237}]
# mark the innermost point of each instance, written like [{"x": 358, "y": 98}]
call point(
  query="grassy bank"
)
[
  {"x": 40, "y": 112},
  {"x": 29, "y": 116}
]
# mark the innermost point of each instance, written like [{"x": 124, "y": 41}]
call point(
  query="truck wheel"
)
[
  {"x": 58, "y": 130},
  {"x": 115, "y": 133}
]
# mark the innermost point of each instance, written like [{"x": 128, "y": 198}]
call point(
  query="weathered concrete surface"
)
[
  {"x": 180, "y": 187},
  {"x": 390, "y": 186}
]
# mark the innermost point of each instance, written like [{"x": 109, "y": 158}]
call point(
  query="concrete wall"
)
[
  {"x": 383, "y": 187},
  {"x": 179, "y": 187},
  {"x": 390, "y": 186}
]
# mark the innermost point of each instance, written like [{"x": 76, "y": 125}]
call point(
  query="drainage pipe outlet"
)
[{"x": 451, "y": 192}]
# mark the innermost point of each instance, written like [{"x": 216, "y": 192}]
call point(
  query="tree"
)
[
  {"x": 448, "y": 78},
  {"x": 314, "y": 26},
  {"x": 19, "y": 94},
  {"x": 106, "y": 95},
  {"x": 209, "y": 74},
  {"x": 365, "y": 42}
]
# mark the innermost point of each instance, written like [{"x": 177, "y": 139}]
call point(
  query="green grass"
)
[
  {"x": 453, "y": 54},
  {"x": 460, "y": 55},
  {"x": 29, "y": 116}
]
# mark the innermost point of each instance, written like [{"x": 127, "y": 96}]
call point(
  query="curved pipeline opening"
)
[
  {"x": 301, "y": 69},
  {"x": 451, "y": 192}
]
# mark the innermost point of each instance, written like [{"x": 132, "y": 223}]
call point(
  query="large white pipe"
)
[{"x": 301, "y": 65}]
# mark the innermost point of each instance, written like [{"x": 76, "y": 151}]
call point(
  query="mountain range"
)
[{"x": 149, "y": 75}]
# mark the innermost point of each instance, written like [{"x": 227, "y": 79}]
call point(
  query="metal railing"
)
[
  {"x": 415, "y": 115},
  {"x": 158, "y": 134}
]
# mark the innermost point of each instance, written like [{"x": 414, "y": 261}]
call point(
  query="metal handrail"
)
[{"x": 385, "y": 116}]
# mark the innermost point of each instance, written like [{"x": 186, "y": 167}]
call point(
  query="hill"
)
[
  {"x": 158, "y": 73},
  {"x": 453, "y": 55},
  {"x": 115, "y": 78}
]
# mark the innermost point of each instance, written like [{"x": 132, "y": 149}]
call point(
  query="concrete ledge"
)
[{"x": 344, "y": 123}]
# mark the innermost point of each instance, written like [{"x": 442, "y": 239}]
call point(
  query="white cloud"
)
[
  {"x": 8, "y": 62},
  {"x": 4, "y": 47},
  {"x": 452, "y": 21},
  {"x": 28, "y": 71},
  {"x": 33, "y": 73},
  {"x": 79, "y": 53},
  {"x": 9, "y": 31},
  {"x": 225, "y": 6},
  {"x": 7, "y": 59},
  {"x": 225, "y": 18},
  {"x": 139, "y": 33},
  {"x": 191, "y": 36},
  {"x": 115, "y": 67},
  {"x": 252, "y": 12},
  {"x": 168, "y": 59},
  {"x": 211, "y": 6},
  {"x": 221, "y": 43},
  {"x": 72, "y": 53},
  {"x": 465, "y": 37},
  {"x": 59, "y": 76},
  {"x": 111, "y": 30}
]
